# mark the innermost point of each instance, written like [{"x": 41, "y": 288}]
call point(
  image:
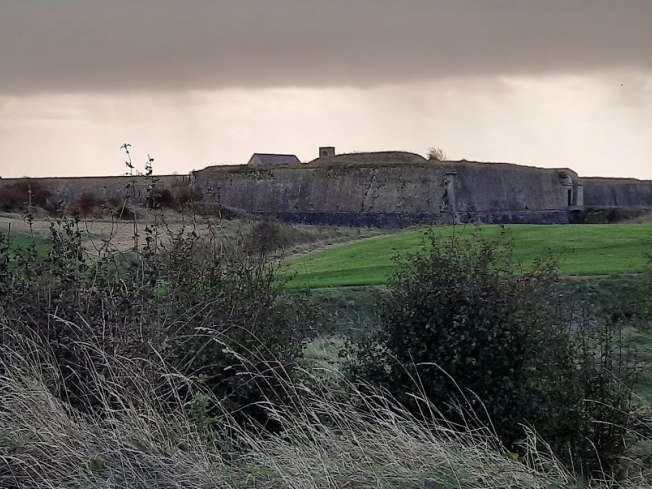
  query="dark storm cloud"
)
[{"x": 97, "y": 45}]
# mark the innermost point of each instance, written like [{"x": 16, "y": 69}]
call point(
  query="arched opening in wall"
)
[{"x": 570, "y": 197}]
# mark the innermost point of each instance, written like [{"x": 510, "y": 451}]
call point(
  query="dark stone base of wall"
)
[
  {"x": 361, "y": 219},
  {"x": 516, "y": 217},
  {"x": 608, "y": 215},
  {"x": 397, "y": 220}
]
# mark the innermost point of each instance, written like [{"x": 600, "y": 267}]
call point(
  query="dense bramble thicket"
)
[
  {"x": 481, "y": 337},
  {"x": 206, "y": 311}
]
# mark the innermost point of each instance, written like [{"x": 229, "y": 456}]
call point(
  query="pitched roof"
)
[{"x": 272, "y": 159}]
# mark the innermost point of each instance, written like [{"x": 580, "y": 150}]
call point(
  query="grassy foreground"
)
[
  {"x": 147, "y": 440},
  {"x": 585, "y": 249}
]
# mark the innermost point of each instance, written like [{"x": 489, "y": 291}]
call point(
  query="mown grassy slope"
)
[{"x": 586, "y": 249}]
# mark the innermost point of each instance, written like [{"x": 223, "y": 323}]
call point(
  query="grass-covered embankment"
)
[{"x": 586, "y": 249}]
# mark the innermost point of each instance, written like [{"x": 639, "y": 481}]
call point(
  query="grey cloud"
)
[{"x": 102, "y": 45}]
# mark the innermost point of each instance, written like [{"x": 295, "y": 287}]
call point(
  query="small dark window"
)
[{"x": 570, "y": 197}]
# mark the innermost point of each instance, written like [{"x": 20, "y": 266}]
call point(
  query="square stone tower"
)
[{"x": 326, "y": 151}]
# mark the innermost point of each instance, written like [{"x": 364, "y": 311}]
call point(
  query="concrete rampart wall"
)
[{"x": 617, "y": 192}]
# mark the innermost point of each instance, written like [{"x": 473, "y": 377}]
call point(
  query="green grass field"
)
[
  {"x": 585, "y": 249},
  {"x": 21, "y": 241}
]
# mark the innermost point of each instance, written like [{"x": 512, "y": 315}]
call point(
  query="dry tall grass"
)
[{"x": 355, "y": 438}]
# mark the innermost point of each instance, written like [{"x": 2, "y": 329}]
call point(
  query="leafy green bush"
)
[{"x": 488, "y": 342}]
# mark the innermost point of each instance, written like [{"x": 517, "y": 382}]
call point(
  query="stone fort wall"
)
[
  {"x": 388, "y": 195},
  {"x": 506, "y": 193},
  {"x": 617, "y": 192},
  {"x": 394, "y": 193}
]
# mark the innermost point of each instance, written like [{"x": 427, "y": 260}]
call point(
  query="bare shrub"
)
[
  {"x": 187, "y": 194},
  {"x": 267, "y": 236},
  {"x": 124, "y": 212},
  {"x": 436, "y": 154},
  {"x": 86, "y": 203}
]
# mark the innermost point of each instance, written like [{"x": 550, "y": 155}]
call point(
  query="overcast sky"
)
[{"x": 198, "y": 82}]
